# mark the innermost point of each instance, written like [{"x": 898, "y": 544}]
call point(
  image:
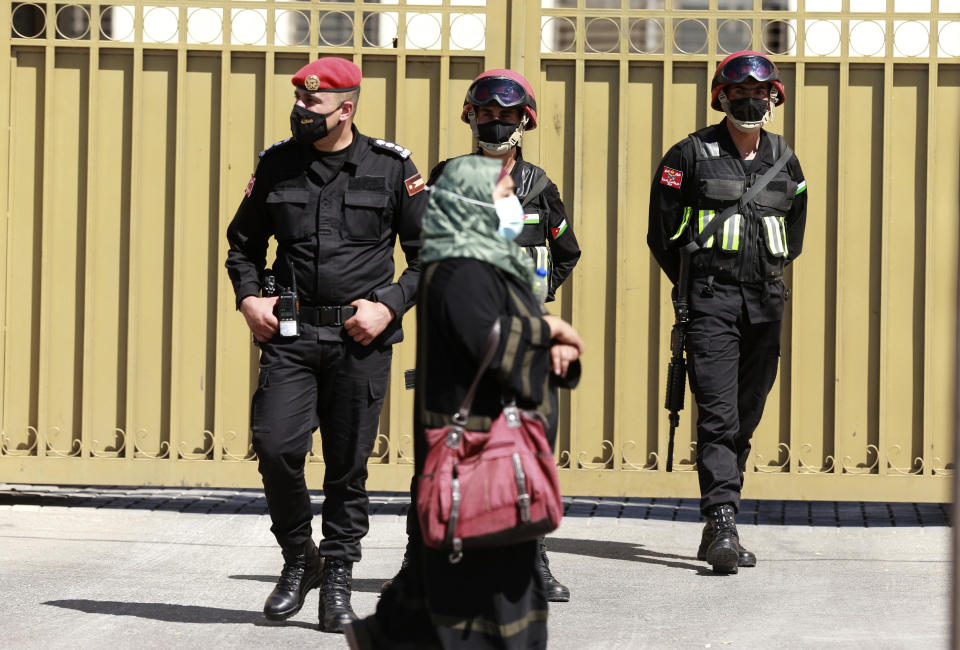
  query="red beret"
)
[{"x": 329, "y": 74}]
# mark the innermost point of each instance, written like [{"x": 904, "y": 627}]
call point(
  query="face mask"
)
[
  {"x": 495, "y": 131},
  {"x": 510, "y": 213},
  {"x": 749, "y": 109},
  {"x": 308, "y": 127}
]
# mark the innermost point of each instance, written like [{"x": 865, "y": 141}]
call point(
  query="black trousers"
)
[
  {"x": 339, "y": 387},
  {"x": 732, "y": 364}
]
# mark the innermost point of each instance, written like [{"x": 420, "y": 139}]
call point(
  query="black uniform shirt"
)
[
  {"x": 336, "y": 231},
  {"x": 545, "y": 219}
]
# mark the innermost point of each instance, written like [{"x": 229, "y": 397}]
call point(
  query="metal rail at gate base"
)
[{"x": 123, "y": 361}]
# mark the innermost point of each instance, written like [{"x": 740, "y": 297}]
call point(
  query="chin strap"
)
[
  {"x": 749, "y": 127},
  {"x": 496, "y": 147}
]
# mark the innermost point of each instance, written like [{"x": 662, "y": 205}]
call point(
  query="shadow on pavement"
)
[
  {"x": 172, "y": 613},
  {"x": 605, "y": 550}
]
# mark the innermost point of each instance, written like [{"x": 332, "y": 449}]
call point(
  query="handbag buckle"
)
[
  {"x": 454, "y": 435},
  {"x": 512, "y": 416}
]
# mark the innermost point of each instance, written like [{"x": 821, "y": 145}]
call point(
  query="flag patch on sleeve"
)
[
  {"x": 414, "y": 184},
  {"x": 249, "y": 190},
  {"x": 559, "y": 229},
  {"x": 802, "y": 186},
  {"x": 671, "y": 177}
]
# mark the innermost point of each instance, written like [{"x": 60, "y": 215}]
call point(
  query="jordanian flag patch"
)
[
  {"x": 801, "y": 187},
  {"x": 559, "y": 230}
]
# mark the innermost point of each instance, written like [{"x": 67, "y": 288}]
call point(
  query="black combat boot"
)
[
  {"x": 404, "y": 563},
  {"x": 723, "y": 553},
  {"x": 746, "y": 559},
  {"x": 335, "y": 610},
  {"x": 556, "y": 592},
  {"x": 300, "y": 574}
]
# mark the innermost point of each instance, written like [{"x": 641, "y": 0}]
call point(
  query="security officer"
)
[
  {"x": 736, "y": 297},
  {"x": 499, "y": 107},
  {"x": 336, "y": 201}
]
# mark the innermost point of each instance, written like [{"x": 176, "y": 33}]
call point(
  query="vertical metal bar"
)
[
  {"x": 623, "y": 250},
  {"x": 179, "y": 207},
  {"x": 885, "y": 244},
  {"x": 578, "y": 433},
  {"x": 43, "y": 420},
  {"x": 930, "y": 404},
  {"x": 87, "y": 397},
  {"x": 134, "y": 264},
  {"x": 830, "y": 383},
  {"x": 664, "y": 307},
  {"x": 226, "y": 58},
  {"x": 797, "y": 282},
  {"x": 7, "y": 66},
  {"x": 516, "y": 40}
]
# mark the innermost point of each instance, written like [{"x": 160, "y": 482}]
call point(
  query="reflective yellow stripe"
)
[
  {"x": 783, "y": 235},
  {"x": 731, "y": 233},
  {"x": 775, "y": 231},
  {"x": 706, "y": 216},
  {"x": 683, "y": 222}
]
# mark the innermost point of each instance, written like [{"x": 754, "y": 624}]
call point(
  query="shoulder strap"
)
[
  {"x": 747, "y": 196},
  {"x": 538, "y": 186}
]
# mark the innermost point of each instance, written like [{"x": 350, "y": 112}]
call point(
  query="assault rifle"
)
[{"x": 677, "y": 368}]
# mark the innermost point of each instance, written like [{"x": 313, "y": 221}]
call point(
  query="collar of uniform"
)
[
  {"x": 725, "y": 140},
  {"x": 357, "y": 148}
]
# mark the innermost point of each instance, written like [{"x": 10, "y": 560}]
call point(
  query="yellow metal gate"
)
[{"x": 133, "y": 130}]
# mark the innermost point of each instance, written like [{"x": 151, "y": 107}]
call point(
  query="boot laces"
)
[{"x": 292, "y": 573}]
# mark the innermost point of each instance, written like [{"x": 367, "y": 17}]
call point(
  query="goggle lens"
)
[
  {"x": 739, "y": 69},
  {"x": 505, "y": 92}
]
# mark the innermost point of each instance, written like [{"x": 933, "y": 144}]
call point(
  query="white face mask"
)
[
  {"x": 508, "y": 210},
  {"x": 510, "y": 213}
]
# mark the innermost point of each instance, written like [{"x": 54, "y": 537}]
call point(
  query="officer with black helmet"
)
[
  {"x": 499, "y": 107},
  {"x": 736, "y": 292},
  {"x": 336, "y": 201}
]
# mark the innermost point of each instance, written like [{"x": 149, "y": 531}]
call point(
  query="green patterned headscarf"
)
[{"x": 455, "y": 226}]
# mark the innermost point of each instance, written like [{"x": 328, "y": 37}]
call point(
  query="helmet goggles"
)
[
  {"x": 737, "y": 70},
  {"x": 506, "y": 92}
]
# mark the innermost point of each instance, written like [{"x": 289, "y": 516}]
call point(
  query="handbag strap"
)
[
  {"x": 714, "y": 225},
  {"x": 493, "y": 342}
]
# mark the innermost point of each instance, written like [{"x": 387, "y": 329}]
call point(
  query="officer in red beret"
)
[{"x": 336, "y": 202}]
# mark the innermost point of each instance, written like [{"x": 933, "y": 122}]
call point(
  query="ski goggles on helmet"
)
[
  {"x": 739, "y": 69},
  {"x": 506, "y": 92}
]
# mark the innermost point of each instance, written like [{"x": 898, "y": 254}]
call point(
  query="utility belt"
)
[{"x": 326, "y": 315}]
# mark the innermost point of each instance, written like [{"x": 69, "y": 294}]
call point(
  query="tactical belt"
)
[{"x": 331, "y": 316}]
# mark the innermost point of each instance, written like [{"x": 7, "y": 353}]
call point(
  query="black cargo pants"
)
[
  {"x": 336, "y": 386},
  {"x": 732, "y": 365}
]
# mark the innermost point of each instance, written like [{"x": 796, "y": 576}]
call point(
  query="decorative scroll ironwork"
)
[
  {"x": 203, "y": 454},
  {"x": 846, "y": 467},
  {"x": 76, "y": 445},
  {"x": 227, "y": 456},
  {"x": 772, "y": 468},
  {"x": 163, "y": 449},
  {"x": 626, "y": 463},
  {"x": 6, "y": 450},
  {"x": 313, "y": 456},
  {"x": 381, "y": 443},
  {"x": 109, "y": 453},
  {"x": 684, "y": 465},
  {"x": 940, "y": 468},
  {"x": 605, "y": 462},
  {"x": 405, "y": 441},
  {"x": 828, "y": 466},
  {"x": 917, "y": 462}
]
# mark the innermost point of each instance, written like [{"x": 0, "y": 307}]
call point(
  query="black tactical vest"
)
[{"x": 751, "y": 246}]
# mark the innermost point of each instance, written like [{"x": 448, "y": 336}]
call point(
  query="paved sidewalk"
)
[{"x": 187, "y": 568}]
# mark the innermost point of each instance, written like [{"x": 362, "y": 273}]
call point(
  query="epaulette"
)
[
  {"x": 275, "y": 144},
  {"x": 395, "y": 149}
]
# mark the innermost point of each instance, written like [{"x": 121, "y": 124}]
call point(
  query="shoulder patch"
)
[
  {"x": 274, "y": 145},
  {"x": 395, "y": 149}
]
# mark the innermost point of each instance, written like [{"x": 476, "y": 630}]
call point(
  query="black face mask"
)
[
  {"x": 308, "y": 127},
  {"x": 495, "y": 131},
  {"x": 749, "y": 109}
]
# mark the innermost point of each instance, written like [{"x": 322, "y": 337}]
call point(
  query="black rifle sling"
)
[
  {"x": 539, "y": 186},
  {"x": 745, "y": 198}
]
